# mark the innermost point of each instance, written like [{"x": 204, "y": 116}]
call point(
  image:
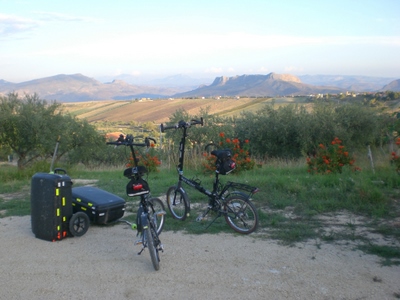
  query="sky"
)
[{"x": 201, "y": 39}]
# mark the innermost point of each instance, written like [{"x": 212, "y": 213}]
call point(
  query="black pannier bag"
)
[
  {"x": 137, "y": 187},
  {"x": 224, "y": 163}
]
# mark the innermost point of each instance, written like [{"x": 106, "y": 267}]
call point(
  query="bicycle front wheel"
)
[
  {"x": 178, "y": 203},
  {"x": 241, "y": 215},
  {"x": 148, "y": 235},
  {"x": 158, "y": 216}
]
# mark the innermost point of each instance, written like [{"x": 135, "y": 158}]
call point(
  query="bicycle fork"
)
[{"x": 145, "y": 225}]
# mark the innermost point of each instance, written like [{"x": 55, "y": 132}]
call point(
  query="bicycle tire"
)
[
  {"x": 152, "y": 248},
  {"x": 79, "y": 223},
  {"x": 157, "y": 217},
  {"x": 241, "y": 214},
  {"x": 178, "y": 203}
]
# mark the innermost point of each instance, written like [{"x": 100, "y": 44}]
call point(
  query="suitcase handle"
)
[{"x": 57, "y": 170}]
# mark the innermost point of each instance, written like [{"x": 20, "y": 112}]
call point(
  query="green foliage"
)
[
  {"x": 31, "y": 128},
  {"x": 199, "y": 136},
  {"x": 330, "y": 159},
  {"x": 149, "y": 160},
  {"x": 292, "y": 131},
  {"x": 273, "y": 132},
  {"x": 393, "y": 95},
  {"x": 26, "y": 125}
]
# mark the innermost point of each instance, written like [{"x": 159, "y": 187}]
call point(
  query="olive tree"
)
[{"x": 31, "y": 127}]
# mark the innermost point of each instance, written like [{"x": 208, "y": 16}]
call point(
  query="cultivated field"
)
[{"x": 159, "y": 111}]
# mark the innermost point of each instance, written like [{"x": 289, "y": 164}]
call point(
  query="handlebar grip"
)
[
  {"x": 163, "y": 128},
  {"x": 195, "y": 122}
]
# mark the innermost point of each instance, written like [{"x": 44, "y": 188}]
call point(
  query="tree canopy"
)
[{"x": 31, "y": 127}]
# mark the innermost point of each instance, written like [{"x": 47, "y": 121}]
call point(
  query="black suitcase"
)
[
  {"x": 101, "y": 206},
  {"x": 51, "y": 205}
]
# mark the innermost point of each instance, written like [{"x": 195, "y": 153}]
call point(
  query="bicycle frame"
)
[
  {"x": 216, "y": 184},
  {"x": 240, "y": 214}
]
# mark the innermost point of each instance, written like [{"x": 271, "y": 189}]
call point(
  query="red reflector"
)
[{"x": 137, "y": 187}]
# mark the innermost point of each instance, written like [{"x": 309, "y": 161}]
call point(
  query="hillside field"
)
[{"x": 159, "y": 111}]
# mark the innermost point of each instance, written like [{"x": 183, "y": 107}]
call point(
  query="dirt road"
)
[{"x": 103, "y": 264}]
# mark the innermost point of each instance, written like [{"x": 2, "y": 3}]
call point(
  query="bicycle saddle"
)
[
  {"x": 129, "y": 172},
  {"x": 222, "y": 154}
]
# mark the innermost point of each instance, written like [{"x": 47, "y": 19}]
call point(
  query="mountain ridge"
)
[
  {"x": 271, "y": 84},
  {"x": 78, "y": 88}
]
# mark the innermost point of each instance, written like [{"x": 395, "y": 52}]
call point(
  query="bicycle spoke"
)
[
  {"x": 177, "y": 203},
  {"x": 241, "y": 215}
]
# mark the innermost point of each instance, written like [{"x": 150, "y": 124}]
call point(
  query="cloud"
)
[{"x": 10, "y": 25}]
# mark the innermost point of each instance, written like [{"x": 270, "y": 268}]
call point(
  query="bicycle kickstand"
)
[
  {"x": 218, "y": 215},
  {"x": 203, "y": 215},
  {"x": 140, "y": 242}
]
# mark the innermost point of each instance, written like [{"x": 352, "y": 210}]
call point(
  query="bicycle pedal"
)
[
  {"x": 161, "y": 247},
  {"x": 161, "y": 213},
  {"x": 138, "y": 242},
  {"x": 200, "y": 218}
]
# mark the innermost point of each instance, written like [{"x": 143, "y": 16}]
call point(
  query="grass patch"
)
[
  {"x": 390, "y": 255},
  {"x": 289, "y": 202}
]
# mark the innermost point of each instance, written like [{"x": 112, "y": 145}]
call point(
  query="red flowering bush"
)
[
  {"x": 330, "y": 159},
  {"x": 149, "y": 160},
  {"x": 240, "y": 154},
  {"x": 395, "y": 159}
]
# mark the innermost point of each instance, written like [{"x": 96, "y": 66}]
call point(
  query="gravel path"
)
[{"x": 103, "y": 264}]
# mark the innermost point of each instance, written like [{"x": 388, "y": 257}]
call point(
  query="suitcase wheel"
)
[{"x": 79, "y": 224}]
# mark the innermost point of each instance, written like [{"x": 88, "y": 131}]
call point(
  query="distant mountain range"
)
[
  {"x": 259, "y": 85},
  {"x": 77, "y": 87}
]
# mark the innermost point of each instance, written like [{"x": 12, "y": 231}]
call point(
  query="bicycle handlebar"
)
[
  {"x": 128, "y": 141},
  {"x": 182, "y": 124}
]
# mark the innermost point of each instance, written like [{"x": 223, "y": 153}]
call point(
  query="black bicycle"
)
[
  {"x": 151, "y": 213},
  {"x": 231, "y": 200}
]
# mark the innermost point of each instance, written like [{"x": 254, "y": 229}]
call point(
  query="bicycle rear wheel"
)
[
  {"x": 148, "y": 235},
  {"x": 178, "y": 203},
  {"x": 159, "y": 214},
  {"x": 241, "y": 215}
]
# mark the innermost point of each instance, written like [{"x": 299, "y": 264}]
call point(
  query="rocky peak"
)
[{"x": 283, "y": 77}]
